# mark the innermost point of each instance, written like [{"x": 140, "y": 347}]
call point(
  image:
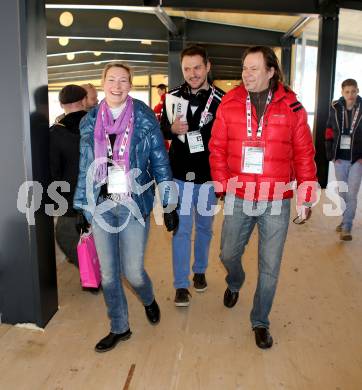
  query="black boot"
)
[
  {"x": 110, "y": 341},
  {"x": 153, "y": 313},
  {"x": 263, "y": 338}
]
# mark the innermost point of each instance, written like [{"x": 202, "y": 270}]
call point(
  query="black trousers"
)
[{"x": 67, "y": 237}]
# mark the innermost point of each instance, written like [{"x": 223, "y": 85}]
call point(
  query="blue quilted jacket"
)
[{"x": 147, "y": 154}]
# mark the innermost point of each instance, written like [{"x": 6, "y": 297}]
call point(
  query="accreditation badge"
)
[
  {"x": 194, "y": 139},
  {"x": 253, "y": 157},
  {"x": 117, "y": 179},
  {"x": 345, "y": 142}
]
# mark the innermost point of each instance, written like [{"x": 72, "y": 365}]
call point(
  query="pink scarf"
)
[{"x": 105, "y": 124}]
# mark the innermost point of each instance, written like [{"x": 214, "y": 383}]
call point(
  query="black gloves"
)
[
  {"x": 81, "y": 224},
  {"x": 171, "y": 221}
]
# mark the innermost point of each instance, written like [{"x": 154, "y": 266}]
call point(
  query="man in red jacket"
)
[{"x": 260, "y": 144}]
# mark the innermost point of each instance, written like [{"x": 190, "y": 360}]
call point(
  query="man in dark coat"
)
[{"x": 64, "y": 163}]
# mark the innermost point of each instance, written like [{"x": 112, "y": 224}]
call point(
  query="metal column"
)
[
  {"x": 326, "y": 65},
  {"x": 287, "y": 58},
  {"x": 175, "y": 47},
  {"x": 28, "y": 287}
]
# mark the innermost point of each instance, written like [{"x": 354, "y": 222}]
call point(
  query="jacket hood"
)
[{"x": 342, "y": 101}]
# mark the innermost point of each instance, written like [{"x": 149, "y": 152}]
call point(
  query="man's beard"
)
[{"x": 201, "y": 83}]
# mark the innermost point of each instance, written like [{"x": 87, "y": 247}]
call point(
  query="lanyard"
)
[
  {"x": 124, "y": 142},
  {"x": 248, "y": 115},
  {"x": 354, "y": 120},
  {"x": 206, "y": 110}
]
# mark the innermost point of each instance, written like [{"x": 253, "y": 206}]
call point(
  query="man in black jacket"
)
[
  {"x": 64, "y": 163},
  {"x": 344, "y": 147},
  {"x": 189, "y": 157}
]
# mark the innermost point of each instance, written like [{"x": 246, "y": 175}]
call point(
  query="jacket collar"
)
[
  {"x": 341, "y": 101},
  {"x": 71, "y": 121},
  {"x": 240, "y": 94}
]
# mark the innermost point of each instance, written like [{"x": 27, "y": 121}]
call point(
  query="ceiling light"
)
[
  {"x": 97, "y": 53},
  {"x": 134, "y": 8},
  {"x": 70, "y": 56},
  {"x": 66, "y": 19},
  {"x": 108, "y": 40},
  {"x": 115, "y": 24},
  {"x": 63, "y": 41},
  {"x": 97, "y": 63},
  {"x": 146, "y": 42}
]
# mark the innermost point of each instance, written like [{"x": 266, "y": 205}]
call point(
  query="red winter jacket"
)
[
  {"x": 289, "y": 150},
  {"x": 158, "y": 107}
]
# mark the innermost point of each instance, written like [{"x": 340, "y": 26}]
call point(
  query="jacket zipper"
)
[{"x": 256, "y": 177}]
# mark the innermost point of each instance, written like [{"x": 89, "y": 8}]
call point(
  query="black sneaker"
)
[
  {"x": 200, "y": 283},
  {"x": 182, "y": 297}
]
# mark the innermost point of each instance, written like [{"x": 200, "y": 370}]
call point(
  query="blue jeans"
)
[
  {"x": 196, "y": 201},
  {"x": 272, "y": 219},
  {"x": 121, "y": 254},
  {"x": 350, "y": 174}
]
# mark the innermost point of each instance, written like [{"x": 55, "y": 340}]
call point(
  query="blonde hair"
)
[{"x": 117, "y": 65}]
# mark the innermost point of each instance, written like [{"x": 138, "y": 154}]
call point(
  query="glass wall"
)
[
  {"x": 348, "y": 63},
  {"x": 305, "y": 68}
]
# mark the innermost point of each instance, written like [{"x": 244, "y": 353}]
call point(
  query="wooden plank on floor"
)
[{"x": 315, "y": 323}]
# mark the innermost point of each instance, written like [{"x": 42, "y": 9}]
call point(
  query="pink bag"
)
[{"x": 89, "y": 269}]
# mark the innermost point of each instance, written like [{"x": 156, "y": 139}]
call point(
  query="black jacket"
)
[
  {"x": 182, "y": 161},
  {"x": 64, "y": 153},
  {"x": 334, "y": 131}
]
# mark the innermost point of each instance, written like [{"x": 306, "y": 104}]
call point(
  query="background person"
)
[
  {"x": 161, "y": 90},
  {"x": 344, "y": 147},
  {"x": 260, "y": 138},
  {"x": 92, "y": 96},
  {"x": 189, "y": 157},
  {"x": 64, "y": 164},
  {"x": 126, "y": 131}
]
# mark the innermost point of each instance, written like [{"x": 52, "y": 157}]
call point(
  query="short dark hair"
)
[
  {"x": 72, "y": 93},
  {"x": 271, "y": 61},
  {"x": 349, "y": 83},
  {"x": 195, "y": 50},
  {"x": 161, "y": 86}
]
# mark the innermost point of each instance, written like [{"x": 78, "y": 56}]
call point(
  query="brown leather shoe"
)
[{"x": 345, "y": 235}]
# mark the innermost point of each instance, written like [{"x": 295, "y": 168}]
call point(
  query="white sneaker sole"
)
[
  {"x": 200, "y": 290},
  {"x": 182, "y": 304}
]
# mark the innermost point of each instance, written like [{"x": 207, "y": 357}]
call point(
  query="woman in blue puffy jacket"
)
[{"x": 121, "y": 154}]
